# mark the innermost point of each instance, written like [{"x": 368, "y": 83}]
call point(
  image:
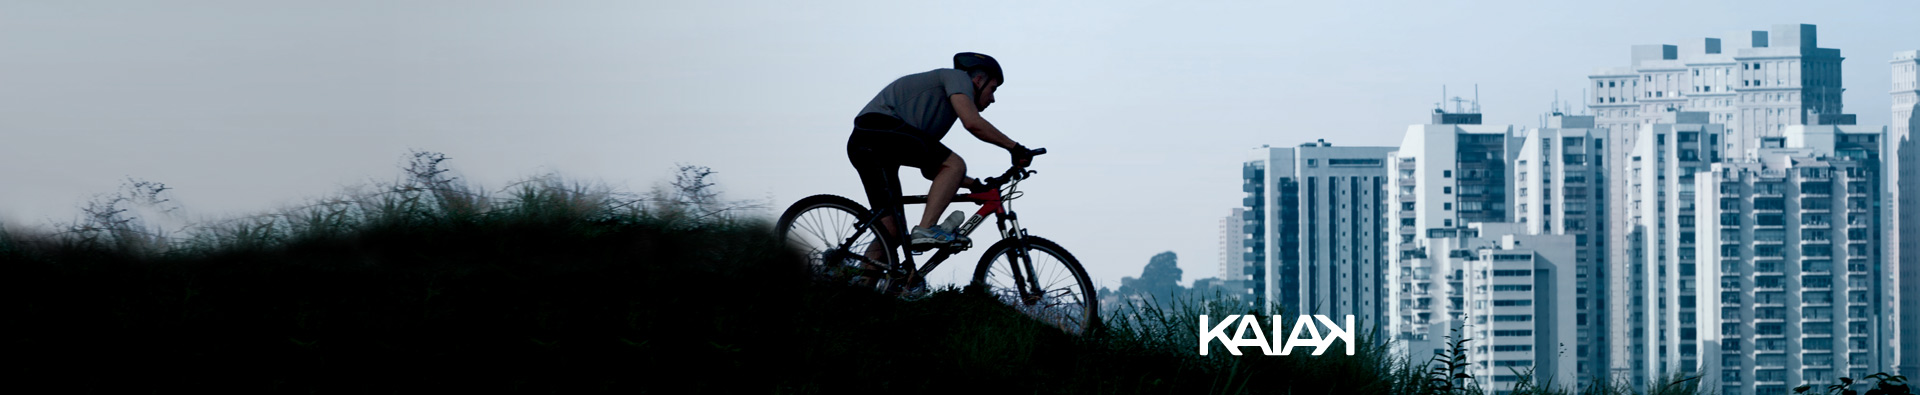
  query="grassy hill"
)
[{"x": 427, "y": 286}]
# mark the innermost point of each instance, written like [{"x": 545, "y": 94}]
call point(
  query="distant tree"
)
[{"x": 1159, "y": 280}]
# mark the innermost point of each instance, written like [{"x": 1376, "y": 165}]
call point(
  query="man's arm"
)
[{"x": 970, "y": 119}]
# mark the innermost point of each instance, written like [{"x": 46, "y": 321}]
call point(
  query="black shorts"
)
[{"x": 879, "y": 146}]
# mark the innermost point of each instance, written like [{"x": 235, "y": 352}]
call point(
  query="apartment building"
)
[
  {"x": 1755, "y": 82},
  {"x": 1795, "y": 239},
  {"x": 1559, "y": 180},
  {"x": 1234, "y": 273},
  {"x": 1315, "y": 213},
  {"x": 1653, "y": 289},
  {"x": 1446, "y": 174},
  {"x": 1515, "y": 297},
  {"x": 1906, "y": 100}
]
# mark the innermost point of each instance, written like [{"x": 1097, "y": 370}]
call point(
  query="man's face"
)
[{"x": 985, "y": 96}]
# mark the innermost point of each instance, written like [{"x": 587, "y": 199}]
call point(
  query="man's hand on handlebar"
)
[
  {"x": 1018, "y": 171},
  {"x": 974, "y": 185},
  {"x": 1022, "y": 157}
]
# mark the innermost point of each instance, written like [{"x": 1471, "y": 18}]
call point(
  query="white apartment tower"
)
[
  {"x": 1559, "y": 180},
  {"x": 1515, "y": 301},
  {"x": 1446, "y": 174},
  {"x": 1756, "y": 83},
  {"x": 1317, "y": 214},
  {"x": 1233, "y": 249},
  {"x": 1652, "y": 289},
  {"x": 1906, "y": 99},
  {"x": 1793, "y": 250}
]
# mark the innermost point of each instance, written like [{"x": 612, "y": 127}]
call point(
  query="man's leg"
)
[
  {"x": 945, "y": 183},
  {"x": 880, "y": 177}
]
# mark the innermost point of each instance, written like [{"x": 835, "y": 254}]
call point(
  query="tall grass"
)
[{"x": 430, "y": 284}]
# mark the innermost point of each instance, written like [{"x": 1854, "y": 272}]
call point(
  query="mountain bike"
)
[{"x": 1033, "y": 275}]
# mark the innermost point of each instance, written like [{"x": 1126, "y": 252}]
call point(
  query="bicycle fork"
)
[{"x": 1025, "y": 278}]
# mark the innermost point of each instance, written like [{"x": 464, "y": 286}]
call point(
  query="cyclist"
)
[{"x": 903, "y": 125}]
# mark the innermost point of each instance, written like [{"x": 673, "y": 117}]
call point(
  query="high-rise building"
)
[
  {"x": 1652, "y": 284},
  {"x": 1233, "y": 249},
  {"x": 1315, "y": 214},
  {"x": 1446, "y": 174},
  {"x": 1792, "y": 254},
  {"x": 1559, "y": 180},
  {"x": 1906, "y": 100},
  {"x": 1755, "y": 82},
  {"x": 1516, "y": 300}
]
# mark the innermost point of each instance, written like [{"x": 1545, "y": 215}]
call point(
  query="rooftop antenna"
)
[
  {"x": 1556, "y": 103},
  {"x": 1476, "y": 98}
]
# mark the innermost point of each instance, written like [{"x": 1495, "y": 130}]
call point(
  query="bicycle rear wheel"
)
[
  {"x": 1041, "y": 280},
  {"x": 824, "y": 229}
]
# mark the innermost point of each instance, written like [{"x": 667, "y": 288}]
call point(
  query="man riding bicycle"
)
[{"x": 903, "y": 125}]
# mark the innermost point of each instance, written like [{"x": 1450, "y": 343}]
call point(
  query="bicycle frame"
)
[{"x": 991, "y": 202}]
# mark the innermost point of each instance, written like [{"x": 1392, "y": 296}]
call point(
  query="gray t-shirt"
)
[{"x": 922, "y": 99}]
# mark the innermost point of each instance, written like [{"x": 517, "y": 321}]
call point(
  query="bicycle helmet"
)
[{"x": 971, "y": 61}]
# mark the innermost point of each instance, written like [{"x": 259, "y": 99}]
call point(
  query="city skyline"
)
[{"x": 1693, "y": 222}]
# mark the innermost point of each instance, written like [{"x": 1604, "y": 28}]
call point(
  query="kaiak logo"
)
[{"x": 1281, "y": 345}]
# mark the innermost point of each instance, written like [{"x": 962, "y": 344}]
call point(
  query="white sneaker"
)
[{"x": 928, "y": 238}]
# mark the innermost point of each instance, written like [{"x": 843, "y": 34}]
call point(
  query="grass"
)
[{"x": 428, "y": 285}]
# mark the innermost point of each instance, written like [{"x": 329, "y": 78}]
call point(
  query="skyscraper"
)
[
  {"x": 1233, "y": 249},
  {"x": 1559, "y": 180},
  {"x": 1653, "y": 281},
  {"x": 1446, "y": 174},
  {"x": 1906, "y": 99},
  {"x": 1755, "y": 82},
  {"x": 1794, "y": 238},
  {"x": 1315, "y": 212}
]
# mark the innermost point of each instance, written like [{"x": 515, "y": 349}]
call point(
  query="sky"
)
[{"x": 1147, "y": 108}]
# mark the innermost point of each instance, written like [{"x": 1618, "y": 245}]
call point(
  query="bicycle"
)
[{"x": 1033, "y": 275}]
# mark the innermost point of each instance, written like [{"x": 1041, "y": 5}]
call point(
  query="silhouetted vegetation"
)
[{"x": 427, "y": 284}]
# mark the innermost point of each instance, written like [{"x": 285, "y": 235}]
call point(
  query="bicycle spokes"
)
[{"x": 1039, "y": 285}]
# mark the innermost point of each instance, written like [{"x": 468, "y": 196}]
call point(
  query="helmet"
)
[{"x": 970, "y": 62}]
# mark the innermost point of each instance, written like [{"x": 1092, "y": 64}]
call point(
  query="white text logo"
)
[{"x": 1281, "y": 345}]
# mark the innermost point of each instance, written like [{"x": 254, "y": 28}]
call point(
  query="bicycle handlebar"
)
[{"x": 1013, "y": 173}]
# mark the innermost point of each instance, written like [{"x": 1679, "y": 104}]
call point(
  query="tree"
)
[{"x": 1159, "y": 280}]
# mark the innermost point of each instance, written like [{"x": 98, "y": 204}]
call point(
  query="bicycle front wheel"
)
[
  {"x": 1040, "y": 279},
  {"x": 825, "y": 229}
]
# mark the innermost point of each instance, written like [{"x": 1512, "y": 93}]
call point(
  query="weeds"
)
[
  {"x": 1883, "y": 384},
  {"x": 1446, "y": 372},
  {"x": 555, "y": 286}
]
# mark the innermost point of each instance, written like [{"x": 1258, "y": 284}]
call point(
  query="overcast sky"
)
[{"x": 1148, "y": 108}]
